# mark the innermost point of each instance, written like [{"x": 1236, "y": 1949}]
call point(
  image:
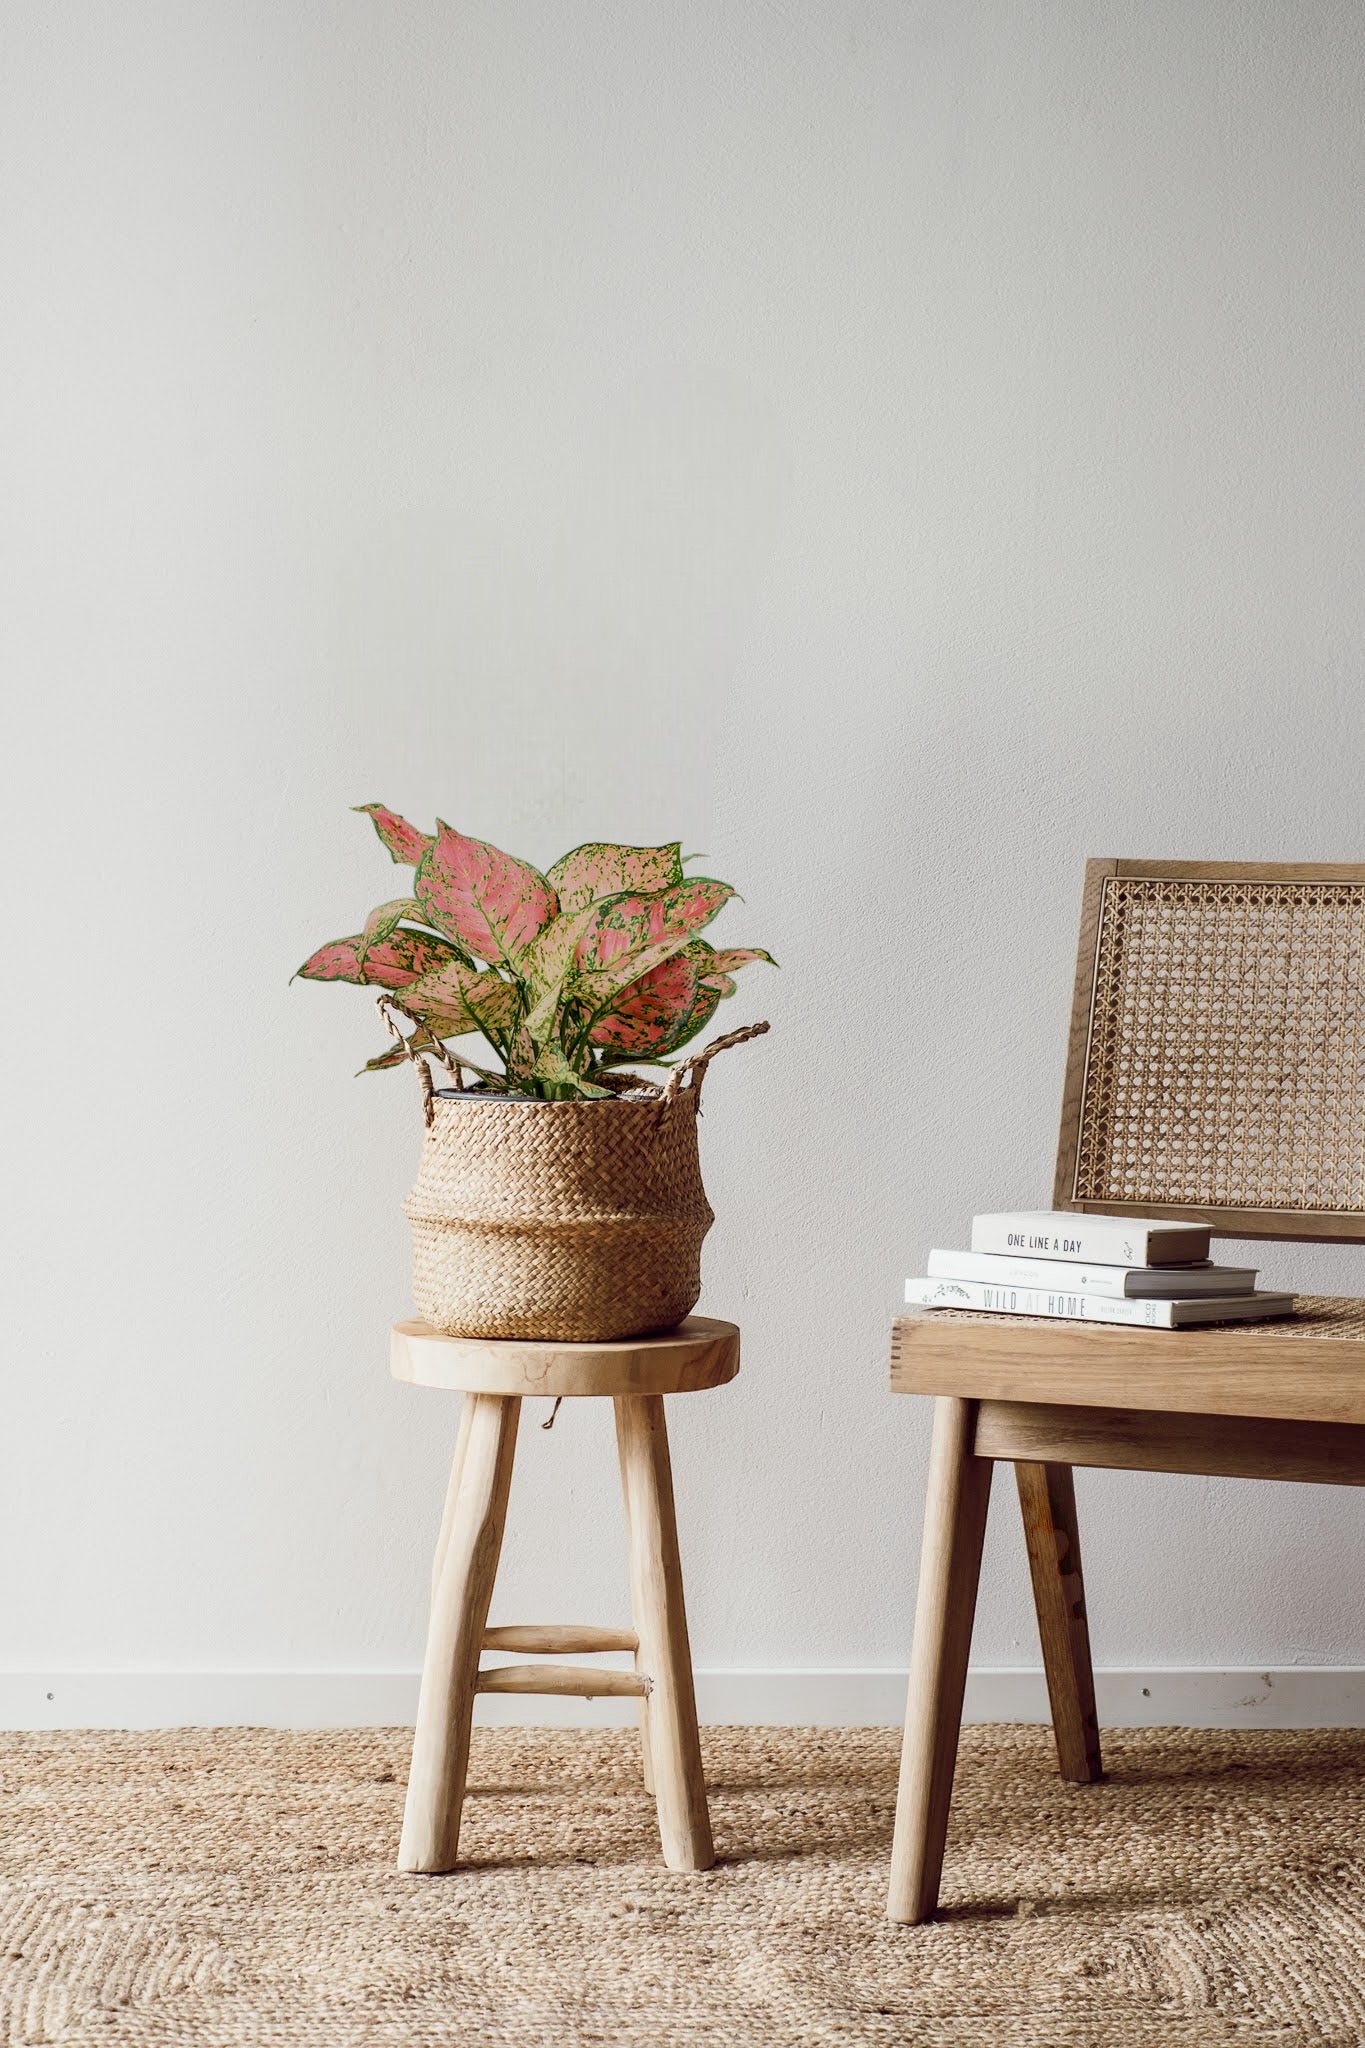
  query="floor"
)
[{"x": 237, "y": 1887}]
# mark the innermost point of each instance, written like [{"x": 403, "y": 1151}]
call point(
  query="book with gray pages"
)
[
  {"x": 1116, "y": 1283},
  {"x": 1090, "y": 1240},
  {"x": 979, "y": 1296}
]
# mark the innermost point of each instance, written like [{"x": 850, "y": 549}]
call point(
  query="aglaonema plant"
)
[{"x": 569, "y": 975}]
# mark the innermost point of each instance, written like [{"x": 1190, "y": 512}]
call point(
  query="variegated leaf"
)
[
  {"x": 726, "y": 961},
  {"x": 688, "y": 907},
  {"x": 591, "y": 872},
  {"x": 520, "y": 1055},
  {"x": 698, "y": 1017},
  {"x": 421, "y": 1040},
  {"x": 703, "y": 957},
  {"x": 546, "y": 964},
  {"x": 404, "y": 843},
  {"x": 627, "y": 924},
  {"x": 394, "y": 1057},
  {"x": 632, "y": 935},
  {"x": 703, "y": 1010},
  {"x": 403, "y": 957},
  {"x": 553, "y": 1067},
  {"x": 646, "y": 1014},
  {"x": 339, "y": 960},
  {"x": 497, "y": 905},
  {"x": 546, "y": 959},
  {"x": 723, "y": 984},
  {"x": 389, "y": 916},
  {"x": 455, "y": 998}
]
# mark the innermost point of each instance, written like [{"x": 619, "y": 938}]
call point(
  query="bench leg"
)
[
  {"x": 950, "y": 1567},
  {"x": 471, "y": 1538},
  {"x": 1047, "y": 1499},
  {"x": 672, "y": 1745}
]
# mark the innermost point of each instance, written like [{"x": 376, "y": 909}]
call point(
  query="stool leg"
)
[
  {"x": 642, "y": 1712},
  {"x": 1047, "y": 1500},
  {"x": 646, "y": 1753},
  {"x": 452, "y": 1492},
  {"x": 459, "y": 1613},
  {"x": 950, "y": 1566},
  {"x": 656, "y": 1592}
]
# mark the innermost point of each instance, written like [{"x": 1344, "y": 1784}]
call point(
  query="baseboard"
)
[{"x": 1292, "y": 1697}]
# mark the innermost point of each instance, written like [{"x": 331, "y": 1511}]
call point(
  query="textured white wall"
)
[{"x": 900, "y": 449}]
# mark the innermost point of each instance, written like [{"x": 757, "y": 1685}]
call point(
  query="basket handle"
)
[
  {"x": 386, "y": 1007},
  {"x": 697, "y": 1065},
  {"x": 693, "y": 1069}
]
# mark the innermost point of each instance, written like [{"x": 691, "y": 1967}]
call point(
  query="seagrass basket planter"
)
[{"x": 572, "y": 1221}]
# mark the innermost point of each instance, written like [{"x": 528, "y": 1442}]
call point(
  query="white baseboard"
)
[{"x": 1294, "y": 1697}]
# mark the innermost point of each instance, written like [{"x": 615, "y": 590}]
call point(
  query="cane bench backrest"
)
[{"x": 1216, "y": 1068}]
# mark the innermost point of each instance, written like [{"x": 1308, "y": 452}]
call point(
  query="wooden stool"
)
[{"x": 637, "y": 1373}]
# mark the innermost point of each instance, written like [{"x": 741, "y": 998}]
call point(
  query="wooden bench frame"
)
[{"x": 1268, "y": 1401}]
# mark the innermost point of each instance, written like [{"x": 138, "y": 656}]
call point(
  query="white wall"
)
[{"x": 900, "y": 449}]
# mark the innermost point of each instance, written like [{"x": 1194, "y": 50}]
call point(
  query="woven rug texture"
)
[{"x": 236, "y": 1889}]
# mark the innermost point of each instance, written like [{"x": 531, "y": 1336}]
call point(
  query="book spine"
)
[
  {"x": 994, "y": 1269},
  {"x": 1100, "y": 1242},
  {"x": 1038, "y": 1301}
]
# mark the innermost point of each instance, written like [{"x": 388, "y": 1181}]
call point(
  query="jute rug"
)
[{"x": 237, "y": 1888}]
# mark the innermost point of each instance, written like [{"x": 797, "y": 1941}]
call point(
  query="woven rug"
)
[{"x": 237, "y": 1888}]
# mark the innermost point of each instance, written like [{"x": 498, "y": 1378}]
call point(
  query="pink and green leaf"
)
[
  {"x": 646, "y": 1015},
  {"x": 389, "y": 916},
  {"x": 704, "y": 957},
  {"x": 723, "y": 984},
  {"x": 338, "y": 960},
  {"x": 394, "y": 1057},
  {"x": 725, "y": 962},
  {"x": 421, "y": 1040},
  {"x": 455, "y": 998},
  {"x": 703, "y": 1010},
  {"x": 592, "y": 872},
  {"x": 547, "y": 964},
  {"x": 495, "y": 904},
  {"x": 553, "y": 1067},
  {"x": 629, "y": 924},
  {"x": 389, "y": 962},
  {"x": 403, "y": 842},
  {"x": 521, "y": 1055},
  {"x": 632, "y": 935},
  {"x": 699, "y": 1016},
  {"x": 688, "y": 907},
  {"x": 403, "y": 957}
]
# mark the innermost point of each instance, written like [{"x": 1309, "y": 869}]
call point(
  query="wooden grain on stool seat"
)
[{"x": 700, "y": 1353}]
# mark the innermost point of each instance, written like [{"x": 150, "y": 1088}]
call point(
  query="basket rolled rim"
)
[{"x": 538, "y": 1102}]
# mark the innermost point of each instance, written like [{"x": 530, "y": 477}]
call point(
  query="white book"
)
[
  {"x": 1094, "y": 1308},
  {"x": 1116, "y": 1283},
  {"x": 1091, "y": 1240}
]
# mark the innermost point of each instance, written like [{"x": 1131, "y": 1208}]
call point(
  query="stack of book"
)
[{"x": 1094, "y": 1269}]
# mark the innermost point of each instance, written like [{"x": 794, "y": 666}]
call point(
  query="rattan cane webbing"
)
[{"x": 1226, "y": 1061}]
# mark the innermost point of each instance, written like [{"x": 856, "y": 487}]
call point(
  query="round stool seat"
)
[{"x": 699, "y": 1353}]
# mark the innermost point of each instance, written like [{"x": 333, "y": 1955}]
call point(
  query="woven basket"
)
[{"x": 574, "y": 1221}]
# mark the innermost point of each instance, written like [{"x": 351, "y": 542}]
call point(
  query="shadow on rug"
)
[{"x": 236, "y": 1887}]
